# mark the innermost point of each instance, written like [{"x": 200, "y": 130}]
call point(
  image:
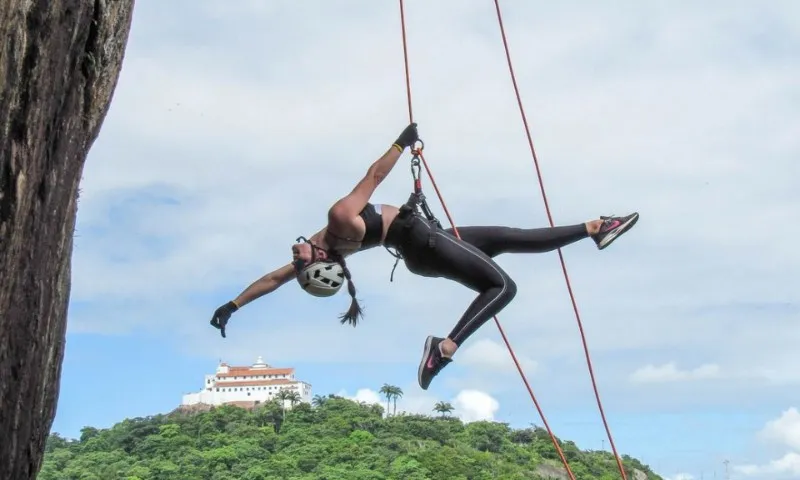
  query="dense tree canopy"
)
[{"x": 335, "y": 439}]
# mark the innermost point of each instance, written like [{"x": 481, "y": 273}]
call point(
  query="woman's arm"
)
[
  {"x": 264, "y": 285},
  {"x": 348, "y": 207}
]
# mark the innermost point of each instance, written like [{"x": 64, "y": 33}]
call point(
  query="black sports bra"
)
[{"x": 373, "y": 220}]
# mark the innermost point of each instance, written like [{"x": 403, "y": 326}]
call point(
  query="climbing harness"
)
[
  {"x": 415, "y": 205},
  {"x": 418, "y": 200}
]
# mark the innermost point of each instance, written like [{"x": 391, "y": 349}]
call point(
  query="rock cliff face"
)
[
  {"x": 59, "y": 64},
  {"x": 558, "y": 472}
]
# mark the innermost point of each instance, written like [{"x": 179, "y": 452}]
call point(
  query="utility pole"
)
[
  {"x": 603, "y": 448},
  {"x": 727, "y": 475}
]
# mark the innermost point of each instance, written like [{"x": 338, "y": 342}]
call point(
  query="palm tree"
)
[
  {"x": 318, "y": 400},
  {"x": 293, "y": 397},
  {"x": 392, "y": 393},
  {"x": 387, "y": 390},
  {"x": 283, "y": 395},
  {"x": 397, "y": 392},
  {"x": 443, "y": 408}
]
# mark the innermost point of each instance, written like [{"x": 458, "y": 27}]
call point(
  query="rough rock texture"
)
[
  {"x": 59, "y": 64},
  {"x": 558, "y": 472}
]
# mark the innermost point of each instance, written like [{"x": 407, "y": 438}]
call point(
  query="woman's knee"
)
[
  {"x": 506, "y": 288},
  {"x": 509, "y": 288}
]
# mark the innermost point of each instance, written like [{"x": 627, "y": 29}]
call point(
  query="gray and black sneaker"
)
[
  {"x": 432, "y": 362},
  {"x": 612, "y": 228}
]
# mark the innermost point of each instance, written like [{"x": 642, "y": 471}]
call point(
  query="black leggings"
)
[{"x": 468, "y": 260}]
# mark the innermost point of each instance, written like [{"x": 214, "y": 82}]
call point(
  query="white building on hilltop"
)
[{"x": 247, "y": 385}]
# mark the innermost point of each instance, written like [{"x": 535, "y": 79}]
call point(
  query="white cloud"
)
[
  {"x": 787, "y": 467},
  {"x": 669, "y": 372},
  {"x": 412, "y": 401},
  {"x": 780, "y": 369},
  {"x": 470, "y": 405},
  {"x": 491, "y": 356},
  {"x": 365, "y": 395},
  {"x": 782, "y": 432},
  {"x": 253, "y": 151},
  {"x": 474, "y": 405}
]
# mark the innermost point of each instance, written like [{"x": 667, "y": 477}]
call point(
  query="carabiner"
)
[
  {"x": 415, "y": 159},
  {"x": 415, "y": 168}
]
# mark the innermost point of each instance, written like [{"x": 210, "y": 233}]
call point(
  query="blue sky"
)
[{"x": 235, "y": 125}]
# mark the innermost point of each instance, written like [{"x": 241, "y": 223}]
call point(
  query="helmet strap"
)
[{"x": 314, "y": 248}]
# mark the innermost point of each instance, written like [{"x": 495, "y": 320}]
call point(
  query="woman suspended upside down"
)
[{"x": 355, "y": 224}]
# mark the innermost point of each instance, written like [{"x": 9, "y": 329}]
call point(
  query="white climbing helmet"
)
[{"x": 321, "y": 278}]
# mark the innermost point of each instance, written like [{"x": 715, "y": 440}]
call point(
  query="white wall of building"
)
[
  {"x": 245, "y": 388},
  {"x": 242, "y": 394}
]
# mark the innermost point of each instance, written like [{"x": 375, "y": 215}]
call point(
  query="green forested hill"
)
[{"x": 336, "y": 439}]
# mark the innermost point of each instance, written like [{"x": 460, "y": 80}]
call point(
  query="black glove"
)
[
  {"x": 408, "y": 138},
  {"x": 221, "y": 316}
]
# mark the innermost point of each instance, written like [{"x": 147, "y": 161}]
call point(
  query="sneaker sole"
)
[
  {"x": 620, "y": 230},
  {"x": 422, "y": 363}
]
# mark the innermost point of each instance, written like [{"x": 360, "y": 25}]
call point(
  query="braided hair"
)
[{"x": 355, "y": 311}]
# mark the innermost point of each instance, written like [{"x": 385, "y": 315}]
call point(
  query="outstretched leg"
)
[
  {"x": 497, "y": 240},
  {"x": 456, "y": 260},
  {"x": 469, "y": 262}
]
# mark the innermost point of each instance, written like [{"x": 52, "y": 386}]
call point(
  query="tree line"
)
[{"x": 332, "y": 438}]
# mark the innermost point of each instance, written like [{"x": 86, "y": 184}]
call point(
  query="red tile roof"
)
[
  {"x": 252, "y": 372},
  {"x": 255, "y": 383}
]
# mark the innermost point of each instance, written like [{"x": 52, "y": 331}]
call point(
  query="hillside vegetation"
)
[{"x": 335, "y": 439}]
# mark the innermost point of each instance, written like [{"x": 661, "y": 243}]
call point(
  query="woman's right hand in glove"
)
[
  {"x": 222, "y": 315},
  {"x": 407, "y": 138}
]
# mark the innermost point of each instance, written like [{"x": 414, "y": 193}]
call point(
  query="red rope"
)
[
  {"x": 455, "y": 230},
  {"x": 560, "y": 254}
]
